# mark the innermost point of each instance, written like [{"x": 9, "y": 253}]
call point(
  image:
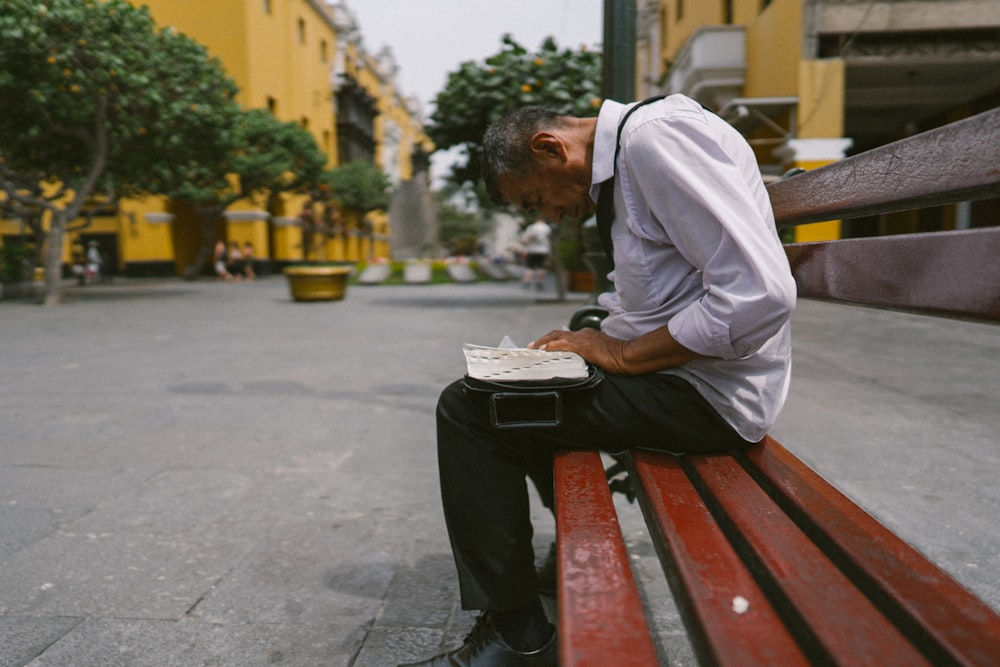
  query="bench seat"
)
[{"x": 768, "y": 564}]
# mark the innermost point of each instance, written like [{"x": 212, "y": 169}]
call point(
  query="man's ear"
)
[{"x": 546, "y": 147}]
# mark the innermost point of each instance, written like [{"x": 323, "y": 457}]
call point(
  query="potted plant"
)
[{"x": 579, "y": 277}]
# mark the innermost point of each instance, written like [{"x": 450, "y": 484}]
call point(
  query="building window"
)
[
  {"x": 302, "y": 31},
  {"x": 356, "y": 112},
  {"x": 323, "y": 51},
  {"x": 764, "y": 4},
  {"x": 267, "y": 6},
  {"x": 680, "y": 9},
  {"x": 272, "y": 105}
]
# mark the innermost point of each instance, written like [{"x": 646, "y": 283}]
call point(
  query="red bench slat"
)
[
  {"x": 940, "y": 166},
  {"x": 843, "y": 620},
  {"x": 961, "y": 624},
  {"x": 940, "y": 273},
  {"x": 705, "y": 573},
  {"x": 600, "y": 611}
]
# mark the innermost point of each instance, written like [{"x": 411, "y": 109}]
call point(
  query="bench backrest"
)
[{"x": 945, "y": 273}]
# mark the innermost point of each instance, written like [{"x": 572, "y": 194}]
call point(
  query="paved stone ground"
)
[{"x": 211, "y": 474}]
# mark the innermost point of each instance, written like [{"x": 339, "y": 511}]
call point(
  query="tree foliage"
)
[
  {"x": 359, "y": 186},
  {"x": 91, "y": 94},
  {"x": 459, "y": 230},
  {"x": 236, "y": 154},
  {"x": 241, "y": 154},
  {"x": 565, "y": 80}
]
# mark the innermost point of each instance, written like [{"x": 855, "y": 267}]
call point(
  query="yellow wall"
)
[
  {"x": 282, "y": 60},
  {"x": 696, "y": 14},
  {"x": 773, "y": 47},
  {"x": 274, "y": 62},
  {"x": 821, "y": 98},
  {"x": 774, "y": 68}
]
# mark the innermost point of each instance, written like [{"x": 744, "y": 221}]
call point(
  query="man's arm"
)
[{"x": 651, "y": 352}]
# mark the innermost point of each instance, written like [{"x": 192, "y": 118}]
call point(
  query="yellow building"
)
[
  {"x": 305, "y": 61},
  {"x": 811, "y": 81}
]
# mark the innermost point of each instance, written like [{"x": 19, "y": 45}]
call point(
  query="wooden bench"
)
[{"x": 768, "y": 563}]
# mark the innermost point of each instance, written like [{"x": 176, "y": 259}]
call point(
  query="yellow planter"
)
[{"x": 317, "y": 283}]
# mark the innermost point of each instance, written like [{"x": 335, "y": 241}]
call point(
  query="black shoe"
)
[
  {"x": 546, "y": 573},
  {"x": 484, "y": 647}
]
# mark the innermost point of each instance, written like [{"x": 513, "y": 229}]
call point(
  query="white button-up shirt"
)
[{"x": 696, "y": 249}]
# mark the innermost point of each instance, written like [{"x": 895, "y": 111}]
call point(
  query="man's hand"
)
[
  {"x": 597, "y": 348},
  {"x": 649, "y": 353}
]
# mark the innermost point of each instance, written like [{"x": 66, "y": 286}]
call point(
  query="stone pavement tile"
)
[
  {"x": 131, "y": 573},
  {"x": 303, "y": 574},
  {"x": 148, "y": 643},
  {"x": 23, "y": 638},
  {"x": 422, "y": 593},
  {"x": 385, "y": 647},
  {"x": 22, "y": 526}
]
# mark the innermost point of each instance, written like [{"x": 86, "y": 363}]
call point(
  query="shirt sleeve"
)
[{"x": 696, "y": 186}]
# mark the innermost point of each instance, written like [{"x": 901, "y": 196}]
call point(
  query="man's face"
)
[{"x": 551, "y": 190}]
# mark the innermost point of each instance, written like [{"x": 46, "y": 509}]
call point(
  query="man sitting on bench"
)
[{"x": 696, "y": 347}]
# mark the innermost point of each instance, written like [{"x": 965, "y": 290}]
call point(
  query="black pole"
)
[{"x": 619, "y": 50}]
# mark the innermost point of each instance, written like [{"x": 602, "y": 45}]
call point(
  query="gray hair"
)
[{"x": 507, "y": 145}]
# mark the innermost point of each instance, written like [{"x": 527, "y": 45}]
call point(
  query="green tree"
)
[
  {"x": 459, "y": 230},
  {"x": 236, "y": 154},
  {"x": 91, "y": 94},
  {"x": 359, "y": 186},
  {"x": 347, "y": 193},
  {"x": 566, "y": 80}
]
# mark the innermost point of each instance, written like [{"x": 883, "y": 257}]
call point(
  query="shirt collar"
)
[{"x": 605, "y": 139}]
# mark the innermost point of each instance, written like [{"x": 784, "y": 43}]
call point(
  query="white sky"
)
[{"x": 430, "y": 38}]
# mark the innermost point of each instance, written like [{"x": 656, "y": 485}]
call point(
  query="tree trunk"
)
[
  {"x": 209, "y": 219},
  {"x": 53, "y": 258}
]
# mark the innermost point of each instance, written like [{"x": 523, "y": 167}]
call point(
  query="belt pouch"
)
[{"x": 528, "y": 404}]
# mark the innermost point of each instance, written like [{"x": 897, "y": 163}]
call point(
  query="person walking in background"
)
[
  {"x": 235, "y": 262},
  {"x": 219, "y": 261},
  {"x": 537, "y": 242},
  {"x": 95, "y": 264},
  {"x": 248, "y": 270}
]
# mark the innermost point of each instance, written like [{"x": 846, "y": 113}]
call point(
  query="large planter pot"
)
[
  {"x": 317, "y": 283},
  {"x": 581, "y": 281}
]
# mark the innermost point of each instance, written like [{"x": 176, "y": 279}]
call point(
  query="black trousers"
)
[{"x": 483, "y": 470}]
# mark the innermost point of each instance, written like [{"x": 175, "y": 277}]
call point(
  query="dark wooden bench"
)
[{"x": 768, "y": 563}]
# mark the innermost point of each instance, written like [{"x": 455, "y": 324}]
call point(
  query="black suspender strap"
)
[{"x": 606, "y": 197}]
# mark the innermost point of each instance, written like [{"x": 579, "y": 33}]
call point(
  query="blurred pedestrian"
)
[
  {"x": 537, "y": 242},
  {"x": 220, "y": 260}
]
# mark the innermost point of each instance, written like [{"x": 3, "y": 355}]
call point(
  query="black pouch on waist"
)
[{"x": 530, "y": 403}]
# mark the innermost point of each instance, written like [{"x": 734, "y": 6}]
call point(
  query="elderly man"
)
[{"x": 696, "y": 348}]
